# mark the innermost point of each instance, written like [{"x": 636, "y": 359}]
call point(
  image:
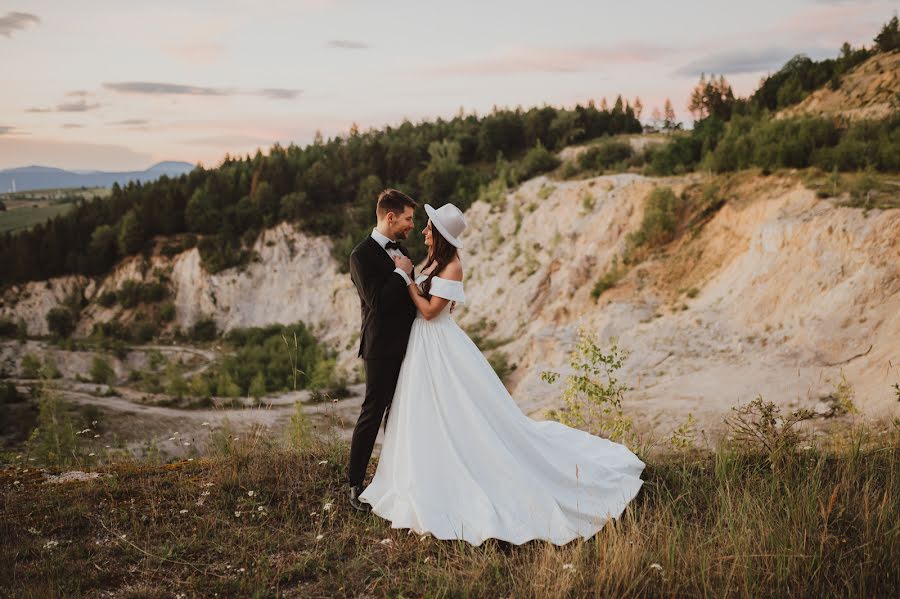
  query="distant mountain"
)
[{"x": 41, "y": 177}]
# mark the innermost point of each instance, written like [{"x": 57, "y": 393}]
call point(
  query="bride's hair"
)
[{"x": 442, "y": 252}]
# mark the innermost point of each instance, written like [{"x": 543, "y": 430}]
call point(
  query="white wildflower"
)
[
  {"x": 323, "y": 462},
  {"x": 91, "y": 454},
  {"x": 327, "y": 507},
  {"x": 250, "y": 493},
  {"x": 656, "y": 567},
  {"x": 386, "y": 541},
  {"x": 96, "y": 436},
  {"x": 205, "y": 424},
  {"x": 427, "y": 559},
  {"x": 50, "y": 544},
  {"x": 320, "y": 537},
  {"x": 568, "y": 567},
  {"x": 183, "y": 512},
  {"x": 237, "y": 514},
  {"x": 260, "y": 508},
  {"x": 204, "y": 493},
  {"x": 186, "y": 443}
]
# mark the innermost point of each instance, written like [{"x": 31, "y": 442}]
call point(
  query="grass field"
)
[
  {"x": 264, "y": 519},
  {"x": 26, "y": 209}
]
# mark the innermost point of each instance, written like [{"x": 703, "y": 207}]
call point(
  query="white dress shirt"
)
[{"x": 382, "y": 241}]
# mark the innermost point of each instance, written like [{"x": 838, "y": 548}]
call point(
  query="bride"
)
[{"x": 459, "y": 459}]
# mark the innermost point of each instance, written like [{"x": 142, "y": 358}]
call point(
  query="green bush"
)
[
  {"x": 107, "y": 299},
  {"x": 30, "y": 366},
  {"x": 101, "y": 372},
  {"x": 606, "y": 154},
  {"x": 204, "y": 329},
  {"x": 538, "y": 160},
  {"x": 661, "y": 210},
  {"x": 60, "y": 322},
  {"x": 9, "y": 393},
  {"x": 270, "y": 359},
  {"x": 167, "y": 312},
  {"x": 8, "y": 328}
]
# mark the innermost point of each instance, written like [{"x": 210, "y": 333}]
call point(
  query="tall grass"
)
[{"x": 267, "y": 519}]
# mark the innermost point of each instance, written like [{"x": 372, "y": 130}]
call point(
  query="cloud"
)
[
  {"x": 348, "y": 45},
  {"x": 279, "y": 94},
  {"x": 151, "y": 88},
  {"x": 175, "y": 89},
  {"x": 79, "y": 106},
  {"x": 132, "y": 122},
  {"x": 735, "y": 62},
  {"x": 17, "y": 21},
  {"x": 5, "y": 130},
  {"x": 72, "y": 126},
  {"x": 76, "y": 106},
  {"x": 548, "y": 60}
]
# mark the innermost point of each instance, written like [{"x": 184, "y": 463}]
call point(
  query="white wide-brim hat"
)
[{"x": 449, "y": 221}]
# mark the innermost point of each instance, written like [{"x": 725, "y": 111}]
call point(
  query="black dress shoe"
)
[{"x": 355, "y": 503}]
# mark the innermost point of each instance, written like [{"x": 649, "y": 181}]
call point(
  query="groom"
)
[{"x": 387, "y": 317}]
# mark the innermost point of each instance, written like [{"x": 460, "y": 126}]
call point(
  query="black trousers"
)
[{"x": 381, "y": 380}]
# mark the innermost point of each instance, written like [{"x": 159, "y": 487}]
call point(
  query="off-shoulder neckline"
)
[{"x": 423, "y": 277}]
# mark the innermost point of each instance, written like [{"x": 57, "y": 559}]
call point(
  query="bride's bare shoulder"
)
[{"x": 453, "y": 271}]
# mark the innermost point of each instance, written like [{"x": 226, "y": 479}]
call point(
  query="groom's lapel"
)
[{"x": 379, "y": 251}]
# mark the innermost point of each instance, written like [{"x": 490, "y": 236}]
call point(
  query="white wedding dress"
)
[{"x": 461, "y": 461}]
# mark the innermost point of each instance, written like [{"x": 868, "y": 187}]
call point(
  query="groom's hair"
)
[{"x": 393, "y": 200}]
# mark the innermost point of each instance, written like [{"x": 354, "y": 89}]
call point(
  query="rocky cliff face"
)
[
  {"x": 779, "y": 294},
  {"x": 789, "y": 291},
  {"x": 296, "y": 279},
  {"x": 869, "y": 91}
]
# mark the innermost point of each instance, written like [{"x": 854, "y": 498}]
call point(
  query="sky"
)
[{"x": 120, "y": 85}]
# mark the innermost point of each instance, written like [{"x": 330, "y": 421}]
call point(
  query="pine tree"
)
[
  {"x": 131, "y": 234},
  {"x": 669, "y": 115}
]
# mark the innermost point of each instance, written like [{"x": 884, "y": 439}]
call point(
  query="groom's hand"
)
[{"x": 404, "y": 264}]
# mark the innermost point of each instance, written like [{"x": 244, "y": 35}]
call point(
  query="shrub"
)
[
  {"x": 101, "y": 372},
  {"x": 8, "y": 328},
  {"x": 605, "y": 155},
  {"x": 660, "y": 213},
  {"x": 167, "y": 312},
  {"x": 593, "y": 395},
  {"x": 30, "y": 366},
  {"x": 759, "y": 426},
  {"x": 61, "y": 322},
  {"x": 9, "y": 393},
  {"x": 608, "y": 280},
  {"x": 107, "y": 299},
  {"x": 54, "y": 441},
  {"x": 204, "y": 330},
  {"x": 538, "y": 160}
]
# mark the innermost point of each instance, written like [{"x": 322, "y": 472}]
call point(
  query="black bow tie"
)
[{"x": 392, "y": 245}]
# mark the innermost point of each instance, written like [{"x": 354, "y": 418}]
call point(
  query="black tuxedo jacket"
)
[{"x": 387, "y": 310}]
